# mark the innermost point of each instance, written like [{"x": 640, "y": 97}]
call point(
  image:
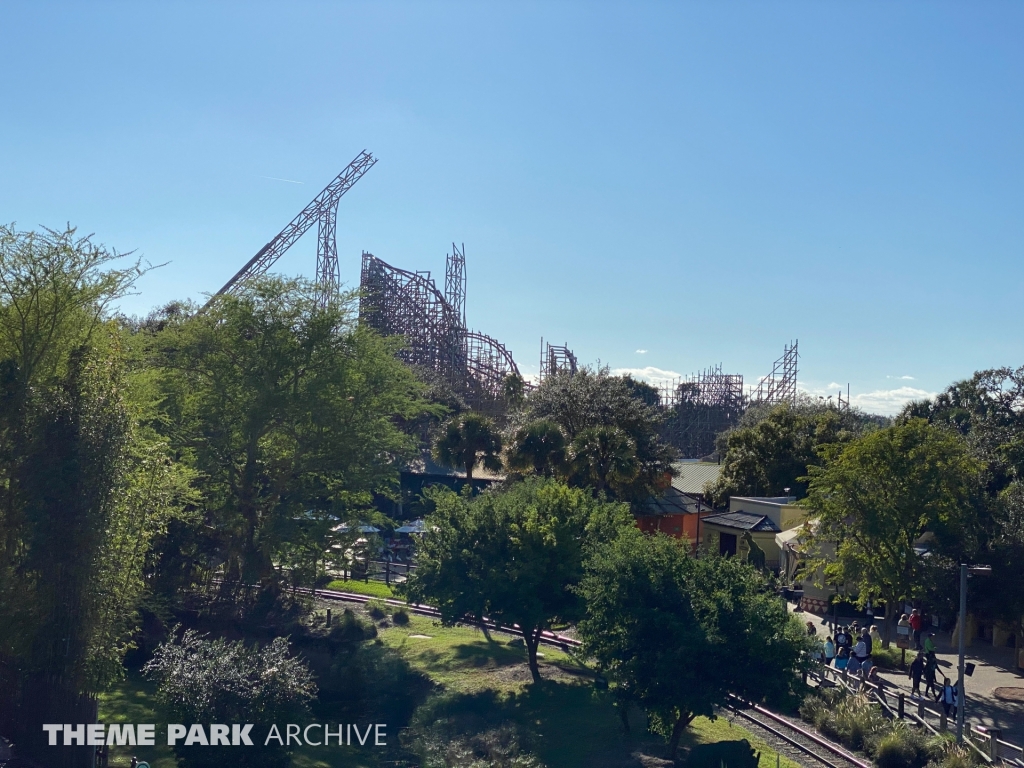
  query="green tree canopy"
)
[
  {"x": 678, "y": 634},
  {"x": 594, "y": 399},
  {"x": 605, "y": 459},
  {"x": 467, "y": 440},
  {"x": 512, "y": 554},
  {"x": 539, "y": 447},
  {"x": 988, "y": 411},
  {"x": 290, "y": 413},
  {"x": 771, "y": 448},
  {"x": 876, "y": 497},
  {"x": 84, "y": 485}
]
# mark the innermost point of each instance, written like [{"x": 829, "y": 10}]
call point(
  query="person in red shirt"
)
[{"x": 916, "y": 624}]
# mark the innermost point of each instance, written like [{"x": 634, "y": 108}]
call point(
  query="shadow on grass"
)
[{"x": 564, "y": 725}]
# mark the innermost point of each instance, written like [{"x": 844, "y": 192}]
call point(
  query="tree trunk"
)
[
  {"x": 532, "y": 639},
  {"x": 677, "y": 731},
  {"x": 887, "y": 625}
]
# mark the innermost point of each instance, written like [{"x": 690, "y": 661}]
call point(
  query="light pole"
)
[{"x": 964, "y": 570}]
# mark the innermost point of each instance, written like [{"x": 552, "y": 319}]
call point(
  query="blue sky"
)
[{"x": 700, "y": 181}]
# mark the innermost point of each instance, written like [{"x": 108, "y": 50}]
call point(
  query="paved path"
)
[{"x": 994, "y": 668}]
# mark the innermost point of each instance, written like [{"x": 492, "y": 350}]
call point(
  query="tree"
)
[
  {"x": 988, "y": 411},
  {"x": 512, "y": 554},
  {"x": 289, "y": 411},
  {"x": 78, "y": 465},
  {"x": 678, "y": 634},
  {"x": 771, "y": 449},
  {"x": 539, "y": 447},
  {"x": 876, "y": 497},
  {"x": 604, "y": 458},
  {"x": 593, "y": 399},
  {"x": 200, "y": 680},
  {"x": 467, "y": 440}
]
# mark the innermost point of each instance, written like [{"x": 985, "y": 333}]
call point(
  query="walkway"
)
[{"x": 994, "y": 668}]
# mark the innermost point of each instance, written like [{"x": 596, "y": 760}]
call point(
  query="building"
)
[
  {"x": 751, "y": 524},
  {"x": 679, "y": 510}
]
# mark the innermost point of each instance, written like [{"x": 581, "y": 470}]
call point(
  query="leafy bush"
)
[
  {"x": 949, "y": 754},
  {"x": 376, "y": 609},
  {"x": 857, "y": 723},
  {"x": 350, "y": 629},
  {"x": 843, "y": 717},
  {"x": 889, "y": 658},
  {"x": 200, "y": 680},
  {"x": 400, "y": 617},
  {"x": 894, "y": 752}
]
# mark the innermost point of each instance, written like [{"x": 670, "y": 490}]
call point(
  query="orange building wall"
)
[{"x": 676, "y": 526}]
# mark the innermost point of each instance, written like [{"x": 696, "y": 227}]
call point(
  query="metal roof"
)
[
  {"x": 744, "y": 521},
  {"x": 673, "y": 502},
  {"x": 691, "y": 476}
]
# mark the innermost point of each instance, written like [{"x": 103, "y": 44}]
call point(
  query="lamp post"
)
[{"x": 964, "y": 571}]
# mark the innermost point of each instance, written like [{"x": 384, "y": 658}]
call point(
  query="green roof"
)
[{"x": 692, "y": 476}]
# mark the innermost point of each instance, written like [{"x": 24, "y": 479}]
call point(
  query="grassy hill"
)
[{"x": 459, "y": 699}]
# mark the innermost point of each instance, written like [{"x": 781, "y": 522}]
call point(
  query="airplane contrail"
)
[{"x": 274, "y": 178}]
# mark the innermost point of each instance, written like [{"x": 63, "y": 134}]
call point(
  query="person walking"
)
[
  {"x": 862, "y": 650},
  {"x": 915, "y": 674},
  {"x": 947, "y": 697},
  {"x": 929, "y": 643},
  {"x": 843, "y": 638},
  {"x": 811, "y": 630},
  {"x": 931, "y": 667},
  {"x": 853, "y": 665},
  {"x": 830, "y": 651},
  {"x": 916, "y": 624}
]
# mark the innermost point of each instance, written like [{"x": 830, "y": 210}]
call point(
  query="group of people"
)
[{"x": 850, "y": 652}]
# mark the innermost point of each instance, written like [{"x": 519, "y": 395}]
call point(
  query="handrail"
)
[{"x": 846, "y": 681}]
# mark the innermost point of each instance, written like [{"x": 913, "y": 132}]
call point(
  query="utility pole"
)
[{"x": 964, "y": 571}]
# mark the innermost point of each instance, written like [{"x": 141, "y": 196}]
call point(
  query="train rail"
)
[{"x": 796, "y": 741}]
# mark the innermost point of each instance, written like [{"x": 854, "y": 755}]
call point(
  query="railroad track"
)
[
  {"x": 548, "y": 638},
  {"x": 797, "y": 742},
  {"x": 785, "y": 736}
]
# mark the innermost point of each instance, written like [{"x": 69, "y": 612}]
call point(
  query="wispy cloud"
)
[
  {"x": 901, "y": 378},
  {"x": 656, "y": 376},
  {"x": 885, "y": 402},
  {"x": 641, "y": 351},
  {"x": 888, "y": 402},
  {"x": 274, "y": 178}
]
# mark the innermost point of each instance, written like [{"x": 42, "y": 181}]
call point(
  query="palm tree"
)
[
  {"x": 604, "y": 457},
  {"x": 538, "y": 447},
  {"x": 467, "y": 440}
]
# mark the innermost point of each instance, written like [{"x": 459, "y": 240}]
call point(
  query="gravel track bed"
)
[{"x": 785, "y": 748}]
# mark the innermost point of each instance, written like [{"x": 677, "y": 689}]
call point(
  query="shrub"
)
[
  {"x": 893, "y": 751},
  {"x": 350, "y": 629},
  {"x": 400, "y": 616},
  {"x": 889, "y": 658},
  {"x": 376, "y": 609},
  {"x": 201, "y": 680},
  {"x": 843, "y": 717},
  {"x": 949, "y": 754}
]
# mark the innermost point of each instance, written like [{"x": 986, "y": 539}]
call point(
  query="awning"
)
[{"x": 788, "y": 537}]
